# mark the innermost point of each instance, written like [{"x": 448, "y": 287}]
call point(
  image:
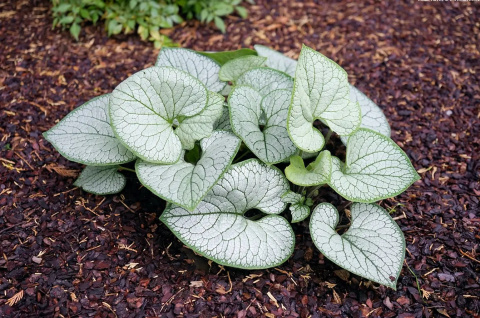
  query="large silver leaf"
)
[
  {"x": 218, "y": 229},
  {"x": 185, "y": 183},
  {"x": 101, "y": 180},
  {"x": 224, "y": 122},
  {"x": 376, "y": 168},
  {"x": 232, "y": 70},
  {"x": 249, "y": 111},
  {"x": 321, "y": 91},
  {"x": 277, "y": 60},
  {"x": 264, "y": 80},
  {"x": 202, "y": 67},
  {"x": 145, "y": 107},
  {"x": 85, "y": 136},
  {"x": 372, "y": 116},
  {"x": 373, "y": 247},
  {"x": 201, "y": 125}
]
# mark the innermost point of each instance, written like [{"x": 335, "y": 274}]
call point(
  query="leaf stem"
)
[
  {"x": 300, "y": 190},
  {"x": 120, "y": 168},
  {"x": 242, "y": 155},
  {"x": 310, "y": 194},
  {"x": 327, "y": 138},
  {"x": 257, "y": 217},
  {"x": 416, "y": 279}
]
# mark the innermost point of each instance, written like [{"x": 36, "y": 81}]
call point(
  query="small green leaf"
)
[
  {"x": 264, "y": 80},
  {"x": 185, "y": 183},
  {"x": 222, "y": 9},
  {"x": 67, "y": 19},
  {"x": 133, "y": 3},
  {"x": 241, "y": 11},
  {"x": 277, "y": 60},
  {"x": 203, "y": 15},
  {"x": 84, "y": 13},
  {"x": 145, "y": 107},
  {"x": 223, "y": 57},
  {"x": 75, "y": 30},
  {"x": 376, "y": 168},
  {"x": 62, "y": 8},
  {"x": 373, "y": 247},
  {"x": 218, "y": 229},
  {"x": 143, "y": 32},
  {"x": 298, "y": 209},
  {"x": 94, "y": 17},
  {"x": 232, "y": 70},
  {"x": 321, "y": 92},
  {"x": 114, "y": 27},
  {"x": 260, "y": 122},
  {"x": 317, "y": 172},
  {"x": 85, "y": 136},
  {"x": 299, "y": 212},
  {"x": 292, "y": 197},
  {"x": 203, "y": 68},
  {"x": 101, "y": 180},
  {"x": 220, "y": 24}
]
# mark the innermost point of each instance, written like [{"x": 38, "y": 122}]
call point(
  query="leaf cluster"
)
[
  {"x": 145, "y": 17},
  {"x": 229, "y": 140}
]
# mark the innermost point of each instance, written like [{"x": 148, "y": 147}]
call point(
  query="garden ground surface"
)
[{"x": 67, "y": 253}]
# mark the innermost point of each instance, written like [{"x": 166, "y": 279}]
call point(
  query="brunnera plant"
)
[{"x": 207, "y": 132}]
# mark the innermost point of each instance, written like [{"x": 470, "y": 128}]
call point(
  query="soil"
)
[{"x": 67, "y": 253}]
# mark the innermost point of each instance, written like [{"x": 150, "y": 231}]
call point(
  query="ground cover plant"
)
[{"x": 230, "y": 139}]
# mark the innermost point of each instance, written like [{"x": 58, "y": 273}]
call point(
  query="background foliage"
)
[{"x": 146, "y": 17}]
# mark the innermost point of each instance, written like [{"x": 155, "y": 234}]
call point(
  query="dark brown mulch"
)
[{"x": 66, "y": 253}]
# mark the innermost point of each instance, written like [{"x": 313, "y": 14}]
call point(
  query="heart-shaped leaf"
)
[
  {"x": 292, "y": 197},
  {"x": 145, "y": 107},
  {"x": 373, "y": 247},
  {"x": 199, "y": 66},
  {"x": 299, "y": 212},
  {"x": 249, "y": 111},
  {"x": 277, "y": 60},
  {"x": 201, "y": 125},
  {"x": 298, "y": 209},
  {"x": 232, "y": 70},
  {"x": 185, "y": 183},
  {"x": 218, "y": 229},
  {"x": 316, "y": 173},
  {"x": 376, "y": 168},
  {"x": 85, "y": 136},
  {"x": 372, "y": 116},
  {"x": 264, "y": 80},
  {"x": 321, "y": 91},
  {"x": 101, "y": 180}
]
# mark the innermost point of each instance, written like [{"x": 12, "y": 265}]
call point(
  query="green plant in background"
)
[
  {"x": 210, "y": 133},
  {"x": 212, "y": 10},
  {"x": 146, "y": 17},
  {"x": 71, "y": 13}
]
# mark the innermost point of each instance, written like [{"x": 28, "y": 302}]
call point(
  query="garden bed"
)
[{"x": 68, "y": 253}]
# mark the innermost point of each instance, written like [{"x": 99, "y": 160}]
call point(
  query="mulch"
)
[{"x": 67, "y": 253}]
